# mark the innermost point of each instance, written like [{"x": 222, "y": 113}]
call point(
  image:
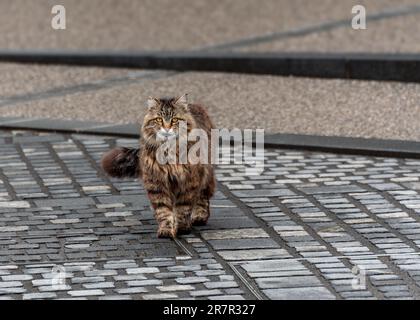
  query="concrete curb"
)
[
  {"x": 384, "y": 67},
  {"x": 70, "y": 126},
  {"x": 342, "y": 145}
]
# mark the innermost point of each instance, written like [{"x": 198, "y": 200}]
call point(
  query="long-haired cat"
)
[{"x": 179, "y": 193}]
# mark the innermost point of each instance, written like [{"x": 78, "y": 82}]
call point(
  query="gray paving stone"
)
[
  {"x": 17, "y": 277},
  {"x": 169, "y": 275},
  {"x": 227, "y": 297},
  {"x": 332, "y": 189},
  {"x": 133, "y": 290},
  {"x": 235, "y": 234},
  {"x": 11, "y": 291},
  {"x": 220, "y": 284},
  {"x": 263, "y": 193},
  {"x": 100, "y": 273},
  {"x": 135, "y": 199},
  {"x": 10, "y": 284},
  {"x": 99, "y": 285},
  {"x": 205, "y": 293},
  {"x": 141, "y": 283},
  {"x": 288, "y": 282},
  {"x": 311, "y": 293},
  {"x": 85, "y": 293},
  {"x": 190, "y": 280},
  {"x": 77, "y": 280},
  {"x": 242, "y": 244},
  {"x": 273, "y": 265},
  {"x": 43, "y": 295},
  {"x": 116, "y": 297},
  {"x": 63, "y": 202},
  {"x": 141, "y": 270},
  {"x": 130, "y": 277},
  {"x": 205, "y": 273},
  {"x": 160, "y": 296},
  {"x": 49, "y": 288},
  {"x": 175, "y": 288},
  {"x": 253, "y": 254}
]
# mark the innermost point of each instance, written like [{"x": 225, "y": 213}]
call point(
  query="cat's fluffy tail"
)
[{"x": 121, "y": 163}]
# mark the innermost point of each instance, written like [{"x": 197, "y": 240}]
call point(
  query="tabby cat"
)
[{"x": 179, "y": 193}]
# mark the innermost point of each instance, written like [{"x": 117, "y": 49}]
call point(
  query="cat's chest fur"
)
[{"x": 176, "y": 176}]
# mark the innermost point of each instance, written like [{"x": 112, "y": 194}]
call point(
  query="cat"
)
[{"x": 179, "y": 193}]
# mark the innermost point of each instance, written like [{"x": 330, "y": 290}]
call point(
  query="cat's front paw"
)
[
  {"x": 185, "y": 228},
  {"x": 168, "y": 226},
  {"x": 200, "y": 216},
  {"x": 200, "y": 221},
  {"x": 167, "y": 232}
]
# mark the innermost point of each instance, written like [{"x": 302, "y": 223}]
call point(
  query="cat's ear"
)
[
  {"x": 182, "y": 100},
  {"x": 151, "y": 102}
]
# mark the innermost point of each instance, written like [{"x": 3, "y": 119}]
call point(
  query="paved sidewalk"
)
[
  {"x": 331, "y": 107},
  {"x": 165, "y": 25},
  {"x": 396, "y": 35},
  {"x": 302, "y": 229},
  {"x": 369, "y": 109},
  {"x": 27, "y": 79}
]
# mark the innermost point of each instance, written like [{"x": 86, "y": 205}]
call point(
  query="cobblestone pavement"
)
[{"x": 311, "y": 226}]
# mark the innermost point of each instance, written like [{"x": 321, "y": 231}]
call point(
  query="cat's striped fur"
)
[{"x": 179, "y": 193}]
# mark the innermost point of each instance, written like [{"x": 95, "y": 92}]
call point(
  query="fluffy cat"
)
[{"x": 179, "y": 193}]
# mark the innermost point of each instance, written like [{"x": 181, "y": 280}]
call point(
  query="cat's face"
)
[{"x": 164, "y": 117}]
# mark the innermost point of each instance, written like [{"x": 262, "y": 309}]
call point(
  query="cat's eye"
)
[
  {"x": 176, "y": 120},
  {"x": 159, "y": 120}
]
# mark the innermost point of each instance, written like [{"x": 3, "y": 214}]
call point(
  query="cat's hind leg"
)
[{"x": 201, "y": 209}]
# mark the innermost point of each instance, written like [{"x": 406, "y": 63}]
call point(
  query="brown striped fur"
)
[{"x": 179, "y": 193}]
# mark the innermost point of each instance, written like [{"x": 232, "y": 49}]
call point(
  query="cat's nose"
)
[{"x": 165, "y": 132}]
